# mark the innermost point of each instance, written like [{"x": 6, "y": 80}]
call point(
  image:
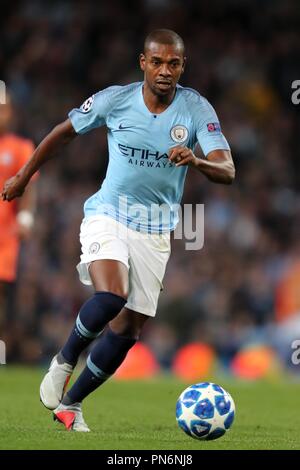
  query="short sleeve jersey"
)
[{"x": 142, "y": 188}]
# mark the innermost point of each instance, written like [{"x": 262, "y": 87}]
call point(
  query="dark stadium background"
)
[{"x": 243, "y": 287}]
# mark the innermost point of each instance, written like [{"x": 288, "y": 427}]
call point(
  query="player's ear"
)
[
  {"x": 142, "y": 61},
  {"x": 183, "y": 65}
]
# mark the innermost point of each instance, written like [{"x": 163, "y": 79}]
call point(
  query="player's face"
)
[
  {"x": 162, "y": 65},
  {"x": 5, "y": 116}
]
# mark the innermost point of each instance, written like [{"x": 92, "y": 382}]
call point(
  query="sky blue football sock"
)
[
  {"x": 96, "y": 312},
  {"x": 107, "y": 355}
]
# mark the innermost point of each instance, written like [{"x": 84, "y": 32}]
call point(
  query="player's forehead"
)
[{"x": 164, "y": 51}]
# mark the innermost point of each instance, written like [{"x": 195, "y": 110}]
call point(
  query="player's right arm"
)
[
  {"x": 61, "y": 135},
  {"x": 90, "y": 115}
]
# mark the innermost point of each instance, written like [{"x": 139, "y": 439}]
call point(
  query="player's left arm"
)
[{"x": 217, "y": 167}]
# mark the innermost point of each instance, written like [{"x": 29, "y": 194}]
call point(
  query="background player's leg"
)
[
  {"x": 108, "y": 354},
  {"x": 7, "y": 303},
  {"x": 110, "y": 280},
  {"x": 2, "y": 304}
]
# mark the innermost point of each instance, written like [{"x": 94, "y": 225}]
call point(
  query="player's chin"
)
[{"x": 162, "y": 89}]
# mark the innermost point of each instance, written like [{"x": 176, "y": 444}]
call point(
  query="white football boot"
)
[
  {"x": 71, "y": 417},
  {"x": 55, "y": 383}
]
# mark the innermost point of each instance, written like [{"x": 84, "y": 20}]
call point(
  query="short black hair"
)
[{"x": 164, "y": 36}]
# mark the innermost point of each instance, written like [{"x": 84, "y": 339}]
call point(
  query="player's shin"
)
[
  {"x": 106, "y": 356},
  {"x": 92, "y": 318}
]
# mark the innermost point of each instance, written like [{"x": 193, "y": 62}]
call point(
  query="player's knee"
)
[
  {"x": 114, "y": 292},
  {"x": 124, "y": 329},
  {"x": 120, "y": 291},
  {"x": 134, "y": 331},
  {"x": 128, "y": 323},
  {"x": 129, "y": 331}
]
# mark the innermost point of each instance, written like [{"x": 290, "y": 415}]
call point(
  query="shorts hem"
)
[
  {"x": 105, "y": 257},
  {"x": 84, "y": 266},
  {"x": 142, "y": 310}
]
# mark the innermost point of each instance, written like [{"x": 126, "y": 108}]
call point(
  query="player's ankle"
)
[
  {"x": 67, "y": 401},
  {"x": 61, "y": 359}
]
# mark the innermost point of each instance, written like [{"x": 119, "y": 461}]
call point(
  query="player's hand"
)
[
  {"x": 13, "y": 187},
  {"x": 182, "y": 156}
]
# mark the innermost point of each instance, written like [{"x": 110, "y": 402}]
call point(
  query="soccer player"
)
[
  {"x": 16, "y": 220},
  {"x": 153, "y": 128}
]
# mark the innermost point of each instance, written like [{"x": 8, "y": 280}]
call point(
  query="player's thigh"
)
[
  {"x": 148, "y": 260},
  {"x": 104, "y": 258},
  {"x": 110, "y": 276},
  {"x": 128, "y": 322}
]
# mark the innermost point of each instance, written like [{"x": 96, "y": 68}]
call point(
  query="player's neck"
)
[{"x": 155, "y": 103}]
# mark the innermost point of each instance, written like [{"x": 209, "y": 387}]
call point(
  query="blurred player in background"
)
[
  {"x": 153, "y": 128},
  {"x": 16, "y": 219}
]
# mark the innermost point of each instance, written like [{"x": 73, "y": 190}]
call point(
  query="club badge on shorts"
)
[
  {"x": 94, "y": 248},
  {"x": 179, "y": 134}
]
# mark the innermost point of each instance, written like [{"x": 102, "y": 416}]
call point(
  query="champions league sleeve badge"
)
[
  {"x": 179, "y": 134},
  {"x": 86, "y": 106}
]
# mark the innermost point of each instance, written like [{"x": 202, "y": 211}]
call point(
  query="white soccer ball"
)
[{"x": 205, "y": 411}]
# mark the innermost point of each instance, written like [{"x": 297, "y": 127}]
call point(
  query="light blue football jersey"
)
[{"x": 142, "y": 188}]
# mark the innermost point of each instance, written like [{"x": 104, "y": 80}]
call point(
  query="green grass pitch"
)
[{"x": 141, "y": 415}]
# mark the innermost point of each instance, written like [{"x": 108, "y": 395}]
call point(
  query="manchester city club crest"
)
[
  {"x": 94, "y": 248},
  {"x": 179, "y": 134}
]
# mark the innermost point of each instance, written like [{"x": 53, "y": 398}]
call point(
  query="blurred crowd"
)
[{"x": 243, "y": 57}]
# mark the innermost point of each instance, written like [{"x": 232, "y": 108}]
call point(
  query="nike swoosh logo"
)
[{"x": 125, "y": 127}]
